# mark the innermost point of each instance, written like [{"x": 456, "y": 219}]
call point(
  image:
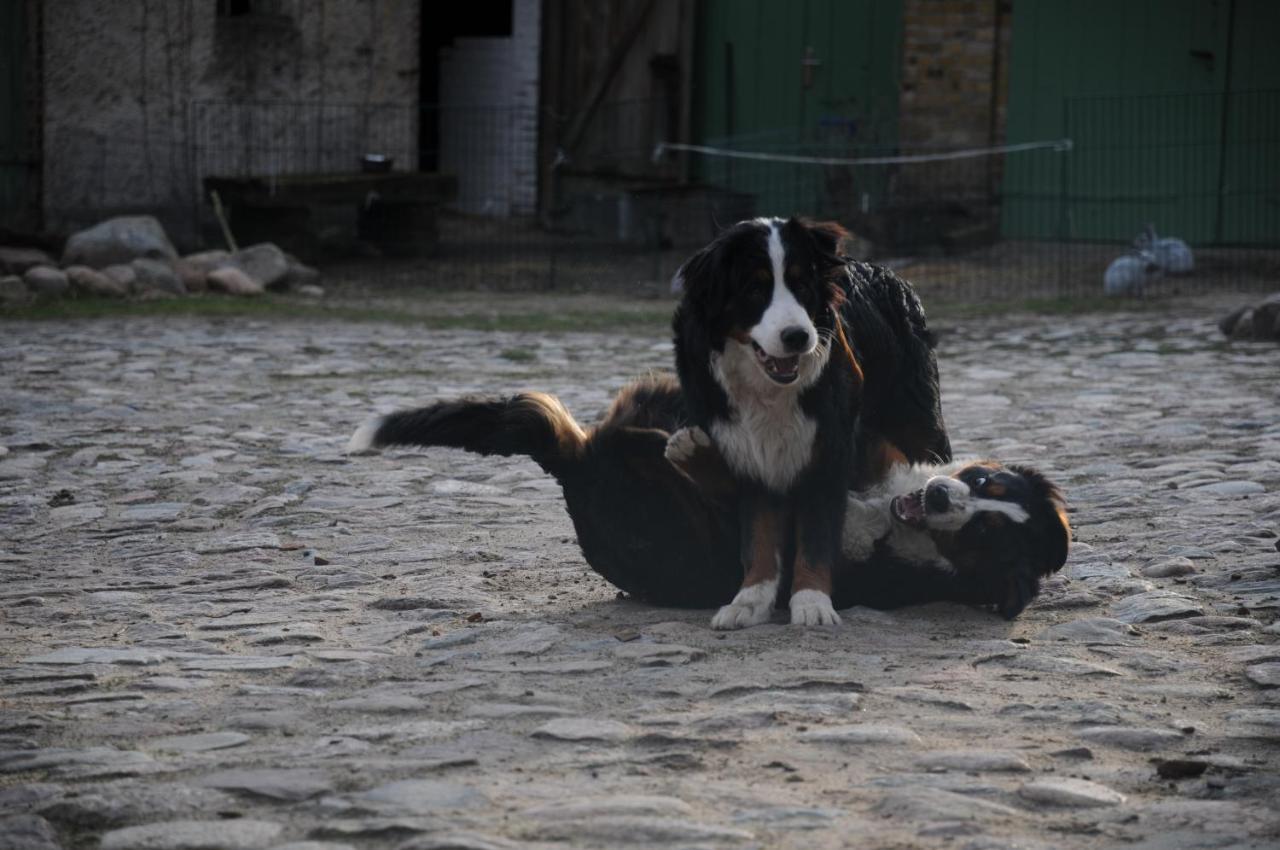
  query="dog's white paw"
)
[
  {"x": 812, "y": 608},
  {"x": 752, "y": 606},
  {"x": 683, "y": 444},
  {"x": 362, "y": 441}
]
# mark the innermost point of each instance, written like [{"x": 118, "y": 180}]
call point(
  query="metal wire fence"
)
[{"x": 331, "y": 182}]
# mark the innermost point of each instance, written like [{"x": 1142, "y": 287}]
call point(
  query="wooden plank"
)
[
  {"x": 297, "y": 190},
  {"x": 616, "y": 57}
]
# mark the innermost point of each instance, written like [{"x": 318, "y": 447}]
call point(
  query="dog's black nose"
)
[
  {"x": 937, "y": 498},
  {"x": 795, "y": 338}
]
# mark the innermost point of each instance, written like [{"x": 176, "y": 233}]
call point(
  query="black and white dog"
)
[
  {"x": 812, "y": 374},
  {"x": 655, "y": 505}
]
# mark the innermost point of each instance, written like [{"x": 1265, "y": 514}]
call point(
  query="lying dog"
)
[
  {"x": 654, "y": 505},
  {"x": 812, "y": 374}
]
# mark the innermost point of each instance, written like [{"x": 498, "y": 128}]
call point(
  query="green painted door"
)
[
  {"x": 1147, "y": 92},
  {"x": 1250, "y": 186},
  {"x": 17, "y": 161},
  {"x": 809, "y": 77},
  {"x": 1084, "y": 69}
]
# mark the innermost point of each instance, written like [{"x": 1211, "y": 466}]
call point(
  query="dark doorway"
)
[{"x": 470, "y": 19}]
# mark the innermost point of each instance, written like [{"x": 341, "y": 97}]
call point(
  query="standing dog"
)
[{"x": 812, "y": 374}]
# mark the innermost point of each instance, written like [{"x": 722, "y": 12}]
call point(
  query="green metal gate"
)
[
  {"x": 811, "y": 77},
  {"x": 1198, "y": 158}
]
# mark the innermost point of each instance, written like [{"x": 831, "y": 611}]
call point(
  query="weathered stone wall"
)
[
  {"x": 489, "y": 118},
  {"x": 124, "y": 82}
]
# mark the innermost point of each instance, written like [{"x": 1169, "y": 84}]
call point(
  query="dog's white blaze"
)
[
  {"x": 963, "y": 505},
  {"x": 752, "y": 606},
  {"x": 767, "y": 436},
  {"x": 784, "y": 311},
  {"x": 812, "y": 608},
  {"x": 362, "y": 439}
]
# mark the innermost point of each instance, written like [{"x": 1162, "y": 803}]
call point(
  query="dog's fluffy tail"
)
[{"x": 533, "y": 424}]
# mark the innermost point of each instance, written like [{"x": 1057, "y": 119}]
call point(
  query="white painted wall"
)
[{"x": 489, "y": 120}]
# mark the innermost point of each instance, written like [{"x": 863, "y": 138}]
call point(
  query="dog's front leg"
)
[
  {"x": 763, "y": 524},
  {"x": 818, "y": 529}
]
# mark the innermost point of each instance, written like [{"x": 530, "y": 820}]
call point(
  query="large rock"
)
[
  {"x": 13, "y": 290},
  {"x": 207, "y": 261},
  {"x": 94, "y": 284},
  {"x": 1258, "y": 321},
  {"x": 156, "y": 275},
  {"x": 123, "y": 275},
  {"x": 263, "y": 262},
  {"x": 18, "y": 260},
  {"x": 119, "y": 240},
  {"x": 233, "y": 281},
  {"x": 194, "y": 279},
  {"x": 46, "y": 281}
]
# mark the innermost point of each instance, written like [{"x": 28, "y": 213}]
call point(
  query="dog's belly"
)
[{"x": 767, "y": 437}]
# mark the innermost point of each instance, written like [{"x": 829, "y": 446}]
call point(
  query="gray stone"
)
[
  {"x": 118, "y": 240},
  {"x": 264, "y": 263},
  {"x": 1155, "y": 605},
  {"x": 239, "y": 663},
  {"x": 13, "y": 290},
  {"x": 659, "y": 654},
  {"x": 46, "y": 282},
  {"x": 15, "y": 261},
  {"x": 457, "y": 841},
  {"x": 76, "y": 655},
  {"x": 925, "y": 805},
  {"x": 623, "y": 805},
  {"x": 1169, "y": 568},
  {"x": 380, "y": 704},
  {"x": 207, "y": 261},
  {"x": 194, "y": 279},
  {"x": 198, "y": 743},
  {"x": 977, "y": 761},
  {"x": 422, "y": 796},
  {"x": 123, "y": 276},
  {"x": 1231, "y": 488},
  {"x": 584, "y": 729},
  {"x": 156, "y": 275},
  {"x": 620, "y": 831},
  {"x": 75, "y": 762},
  {"x": 1132, "y": 737},
  {"x": 238, "y": 834},
  {"x": 27, "y": 832},
  {"x": 1077, "y": 793},
  {"x": 860, "y": 733},
  {"x": 1091, "y": 630},
  {"x": 91, "y": 283},
  {"x": 230, "y": 280},
  {"x": 1265, "y": 675},
  {"x": 282, "y": 784}
]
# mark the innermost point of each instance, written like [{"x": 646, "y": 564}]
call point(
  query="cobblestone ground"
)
[{"x": 219, "y": 632}]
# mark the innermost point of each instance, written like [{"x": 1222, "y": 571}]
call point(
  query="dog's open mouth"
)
[
  {"x": 909, "y": 509},
  {"x": 782, "y": 370}
]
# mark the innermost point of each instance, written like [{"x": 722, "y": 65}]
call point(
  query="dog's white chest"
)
[{"x": 768, "y": 436}]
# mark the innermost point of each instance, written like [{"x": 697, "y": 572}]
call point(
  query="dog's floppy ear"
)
[
  {"x": 1049, "y": 513},
  {"x": 702, "y": 277},
  {"x": 828, "y": 237}
]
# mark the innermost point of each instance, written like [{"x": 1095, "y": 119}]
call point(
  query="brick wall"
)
[
  {"x": 955, "y": 54},
  {"x": 955, "y": 62}
]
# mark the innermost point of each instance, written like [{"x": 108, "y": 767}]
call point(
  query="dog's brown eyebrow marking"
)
[
  {"x": 995, "y": 490},
  {"x": 794, "y": 271},
  {"x": 763, "y": 275}
]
